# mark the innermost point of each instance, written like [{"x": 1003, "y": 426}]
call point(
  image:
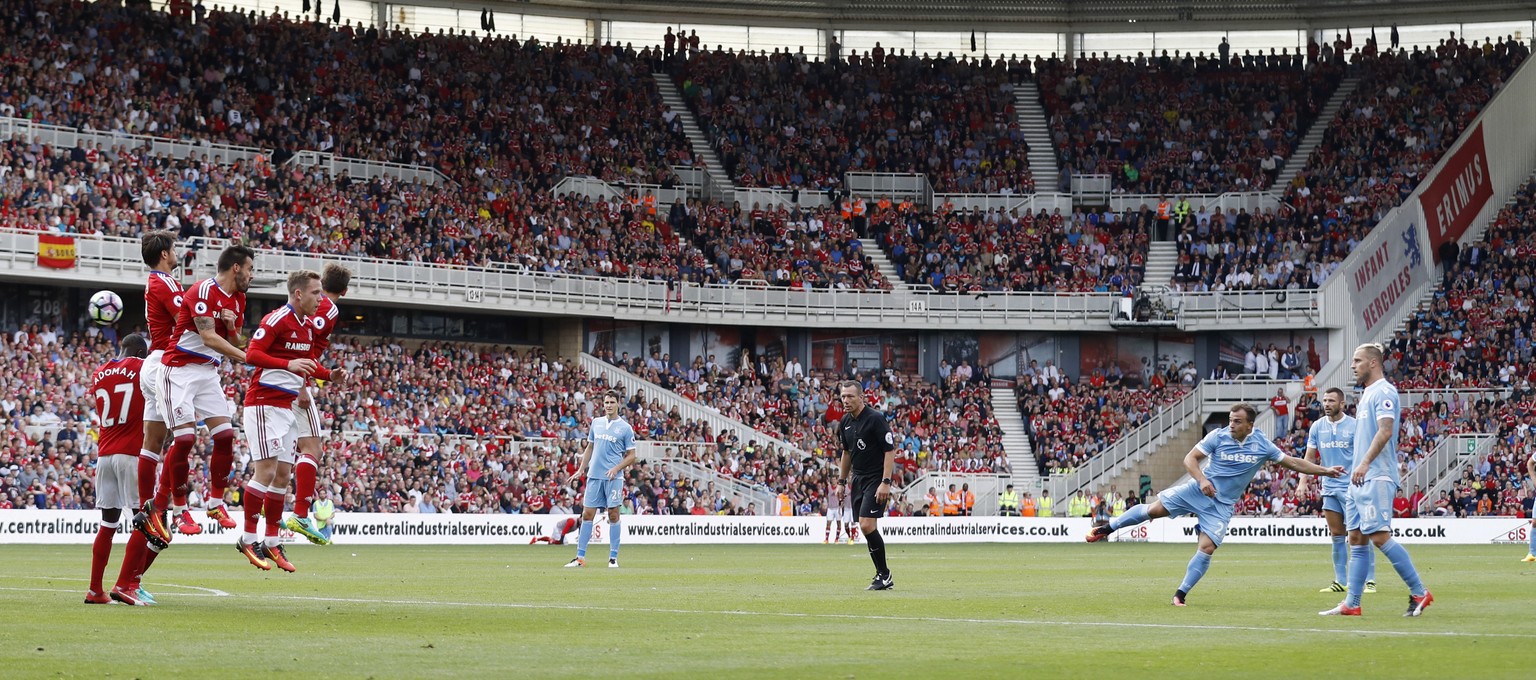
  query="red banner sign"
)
[{"x": 1458, "y": 193}]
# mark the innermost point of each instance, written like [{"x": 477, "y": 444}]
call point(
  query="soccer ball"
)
[{"x": 106, "y": 307}]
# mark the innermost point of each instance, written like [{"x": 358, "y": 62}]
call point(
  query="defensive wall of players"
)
[{"x": 79, "y": 527}]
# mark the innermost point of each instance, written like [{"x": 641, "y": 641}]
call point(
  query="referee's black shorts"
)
[{"x": 865, "y": 504}]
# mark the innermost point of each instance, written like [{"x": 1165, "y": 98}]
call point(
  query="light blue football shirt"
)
[
  {"x": 1378, "y": 401},
  {"x": 1335, "y": 444},
  {"x": 611, "y": 439},
  {"x": 1232, "y": 464}
]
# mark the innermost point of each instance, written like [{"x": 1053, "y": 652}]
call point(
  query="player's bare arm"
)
[
  {"x": 1312, "y": 455},
  {"x": 1379, "y": 442},
  {"x": 586, "y": 459},
  {"x": 883, "y": 494},
  {"x": 1192, "y": 462},
  {"x": 1308, "y": 467},
  {"x": 206, "y": 329},
  {"x": 842, "y": 468}
]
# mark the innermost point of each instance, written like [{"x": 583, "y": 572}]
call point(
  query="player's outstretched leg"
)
[
  {"x": 1134, "y": 516},
  {"x": 1370, "y": 575}
]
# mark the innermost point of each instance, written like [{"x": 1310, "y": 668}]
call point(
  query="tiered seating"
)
[
  {"x": 1407, "y": 109},
  {"x": 958, "y": 251},
  {"x": 1069, "y": 423},
  {"x": 501, "y": 115},
  {"x": 946, "y": 427},
  {"x": 779, "y": 121},
  {"x": 1180, "y": 126}
]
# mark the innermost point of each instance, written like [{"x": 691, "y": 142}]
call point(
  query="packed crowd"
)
[
  {"x": 1408, "y": 108},
  {"x": 945, "y": 426},
  {"x": 504, "y": 115},
  {"x": 1476, "y": 330},
  {"x": 783, "y": 121},
  {"x": 959, "y": 251},
  {"x": 1070, "y": 422},
  {"x": 1183, "y": 124},
  {"x": 1273, "y": 492}
]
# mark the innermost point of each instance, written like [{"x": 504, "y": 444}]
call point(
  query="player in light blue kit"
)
[
  {"x": 1331, "y": 441},
  {"x": 610, "y": 450},
  {"x": 1236, "y": 453},
  {"x": 1368, "y": 505}
]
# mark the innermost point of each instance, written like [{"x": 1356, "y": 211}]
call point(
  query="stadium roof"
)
[{"x": 1058, "y": 15}]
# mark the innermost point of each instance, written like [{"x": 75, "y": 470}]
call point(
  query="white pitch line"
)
[
  {"x": 911, "y": 619},
  {"x": 77, "y": 591},
  {"x": 206, "y": 592}
]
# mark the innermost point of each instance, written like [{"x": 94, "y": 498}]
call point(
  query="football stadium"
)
[{"x": 775, "y": 339}]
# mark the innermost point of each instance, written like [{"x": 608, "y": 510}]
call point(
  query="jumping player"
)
[
  {"x": 207, "y": 332},
  {"x": 280, "y": 350},
  {"x": 333, "y": 283}
]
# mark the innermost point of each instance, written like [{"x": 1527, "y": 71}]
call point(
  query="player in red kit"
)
[
  {"x": 120, "y": 416},
  {"x": 333, "y": 284},
  {"x": 207, "y": 332},
  {"x": 558, "y": 533},
  {"x": 162, "y": 304},
  {"x": 280, "y": 350}
]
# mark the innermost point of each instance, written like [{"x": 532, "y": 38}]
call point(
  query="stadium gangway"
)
[
  {"x": 687, "y": 408},
  {"x": 1208, "y": 397},
  {"x": 1440, "y": 470}
]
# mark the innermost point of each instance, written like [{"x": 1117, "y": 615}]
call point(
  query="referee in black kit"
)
[{"x": 869, "y": 448}]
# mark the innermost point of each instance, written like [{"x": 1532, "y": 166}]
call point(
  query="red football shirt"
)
[
  {"x": 282, "y": 337},
  {"x": 206, "y": 299},
  {"x": 162, "y": 303},
  {"x": 120, "y": 406}
]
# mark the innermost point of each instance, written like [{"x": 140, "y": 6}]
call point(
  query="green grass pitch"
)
[{"x": 972, "y": 611}]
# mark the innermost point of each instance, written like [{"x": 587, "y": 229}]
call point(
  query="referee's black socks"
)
[{"x": 876, "y": 545}]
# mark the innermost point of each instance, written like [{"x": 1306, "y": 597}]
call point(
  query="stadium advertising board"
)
[
  {"x": 1313, "y": 530},
  {"x": 1453, "y": 199},
  {"x": 78, "y": 527},
  {"x": 1391, "y": 266}
]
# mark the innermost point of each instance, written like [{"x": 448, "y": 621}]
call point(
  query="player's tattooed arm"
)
[{"x": 211, "y": 337}]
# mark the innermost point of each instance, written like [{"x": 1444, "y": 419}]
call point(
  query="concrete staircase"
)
[
  {"x": 1021, "y": 456},
  {"x": 871, "y": 247},
  {"x": 1037, "y": 134},
  {"x": 1162, "y": 260},
  {"x": 723, "y": 187},
  {"x": 1166, "y": 465},
  {"x": 1298, "y": 160}
]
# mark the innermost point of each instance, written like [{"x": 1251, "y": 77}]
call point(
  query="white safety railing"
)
[
  {"x": 1251, "y": 201},
  {"x": 985, "y": 485},
  {"x": 775, "y": 198},
  {"x": 1439, "y": 470},
  {"x": 335, "y": 165},
  {"x": 596, "y": 189},
  {"x": 60, "y": 137},
  {"x": 1008, "y": 203},
  {"x": 891, "y": 185},
  {"x": 117, "y": 260},
  {"x": 739, "y": 493},
  {"x": 1208, "y": 396},
  {"x": 688, "y": 409},
  {"x": 699, "y": 182}
]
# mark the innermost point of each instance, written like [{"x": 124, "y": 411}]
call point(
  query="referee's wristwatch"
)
[
  {"x": 842, "y": 481},
  {"x": 887, "y": 480}
]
